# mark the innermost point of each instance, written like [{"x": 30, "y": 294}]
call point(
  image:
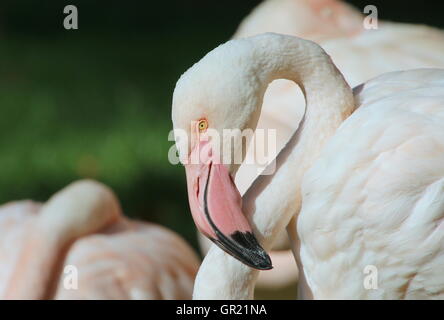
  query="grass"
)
[{"x": 95, "y": 107}]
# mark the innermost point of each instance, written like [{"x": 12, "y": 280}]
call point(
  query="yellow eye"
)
[{"x": 203, "y": 125}]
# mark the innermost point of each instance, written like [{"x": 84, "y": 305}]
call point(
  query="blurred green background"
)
[{"x": 95, "y": 102}]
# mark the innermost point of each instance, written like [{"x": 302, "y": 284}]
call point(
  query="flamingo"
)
[
  {"x": 82, "y": 227},
  {"x": 360, "y": 183},
  {"x": 338, "y": 27}
]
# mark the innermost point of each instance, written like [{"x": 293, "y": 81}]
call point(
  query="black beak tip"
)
[
  {"x": 260, "y": 259},
  {"x": 244, "y": 247},
  {"x": 264, "y": 263}
]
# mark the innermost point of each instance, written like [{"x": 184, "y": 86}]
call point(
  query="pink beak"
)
[{"x": 216, "y": 206}]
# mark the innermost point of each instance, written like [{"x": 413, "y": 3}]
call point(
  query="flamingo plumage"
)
[
  {"x": 360, "y": 183},
  {"x": 82, "y": 227},
  {"x": 339, "y": 28}
]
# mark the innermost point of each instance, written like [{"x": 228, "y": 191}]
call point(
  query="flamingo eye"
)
[{"x": 202, "y": 125}]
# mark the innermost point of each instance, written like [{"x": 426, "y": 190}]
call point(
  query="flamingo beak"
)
[{"x": 216, "y": 206}]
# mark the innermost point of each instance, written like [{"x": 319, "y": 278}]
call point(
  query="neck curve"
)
[
  {"x": 82, "y": 208},
  {"x": 274, "y": 199}
]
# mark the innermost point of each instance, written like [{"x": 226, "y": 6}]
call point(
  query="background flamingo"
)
[{"x": 83, "y": 226}]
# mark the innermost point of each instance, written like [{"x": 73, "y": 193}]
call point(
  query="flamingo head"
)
[{"x": 213, "y": 103}]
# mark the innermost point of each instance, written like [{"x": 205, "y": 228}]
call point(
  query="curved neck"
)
[
  {"x": 328, "y": 96},
  {"x": 81, "y": 209},
  {"x": 39, "y": 264},
  {"x": 274, "y": 199}
]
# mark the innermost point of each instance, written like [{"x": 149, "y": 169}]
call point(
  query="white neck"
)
[{"x": 273, "y": 200}]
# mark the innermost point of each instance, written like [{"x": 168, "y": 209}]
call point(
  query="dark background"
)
[{"x": 95, "y": 102}]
